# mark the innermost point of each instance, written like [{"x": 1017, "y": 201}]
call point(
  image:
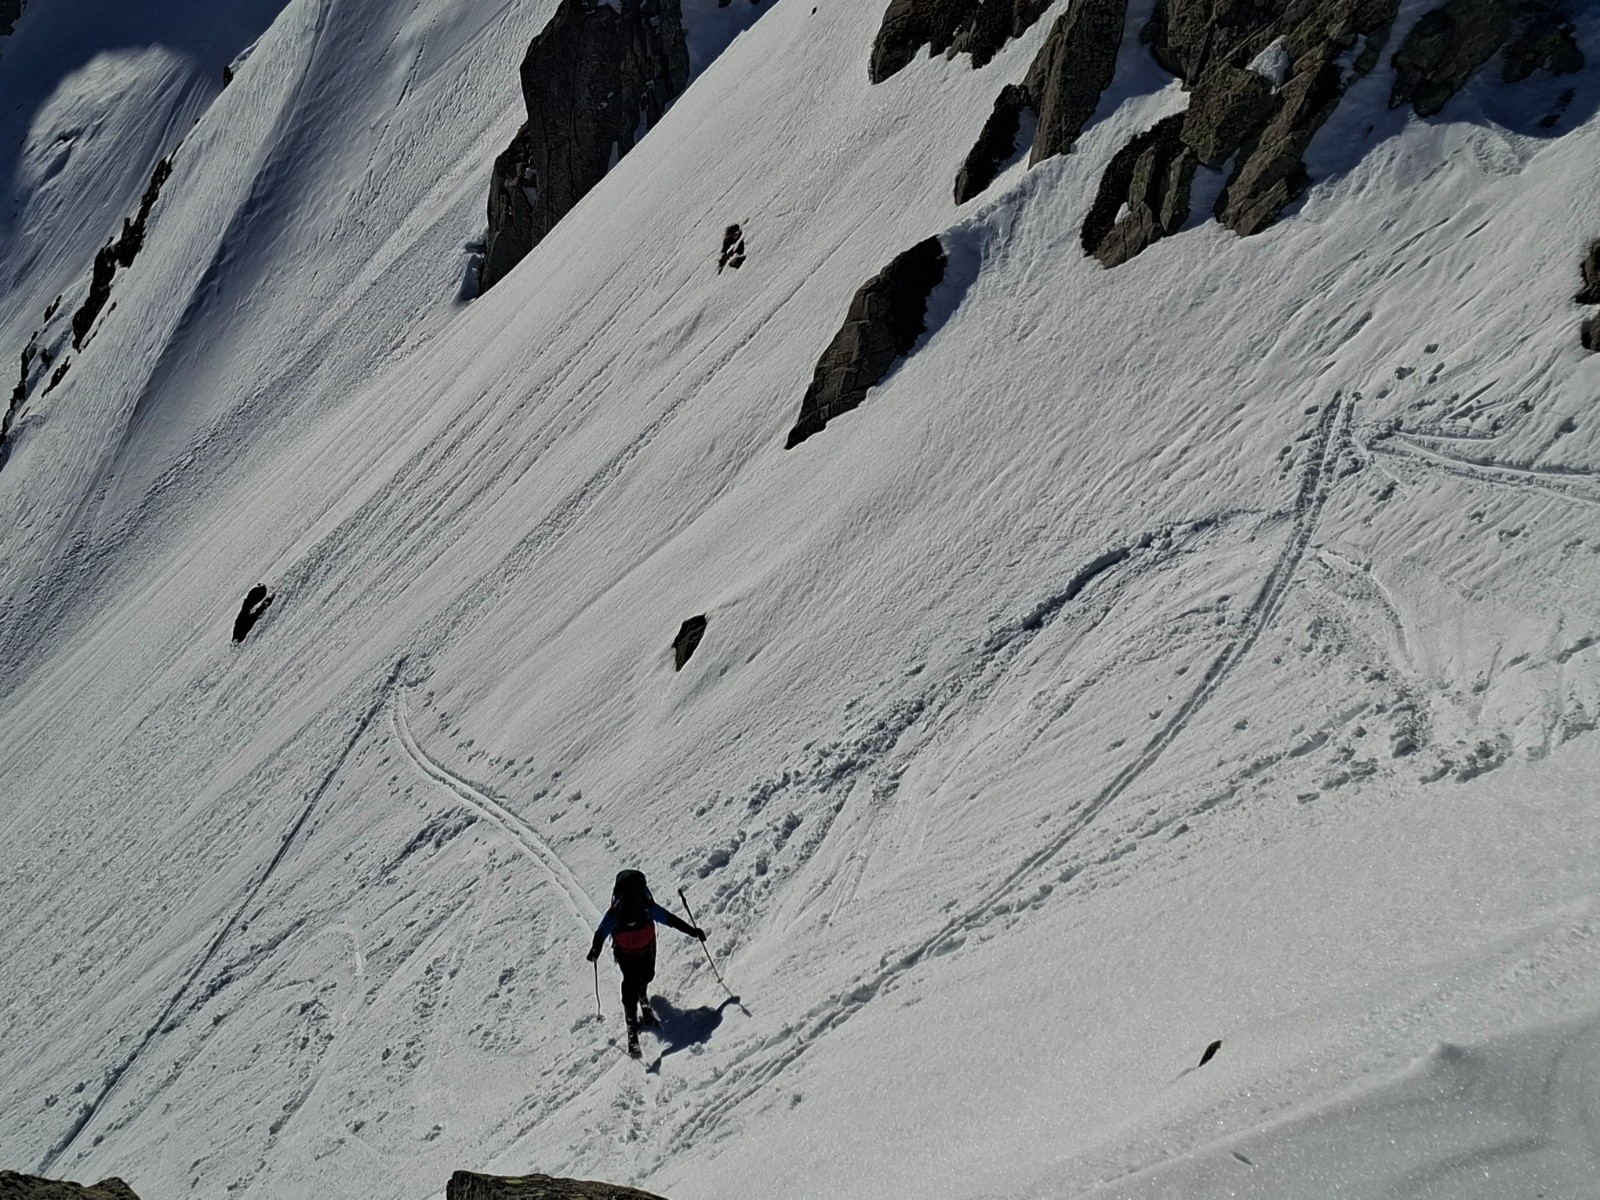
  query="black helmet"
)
[{"x": 630, "y": 885}]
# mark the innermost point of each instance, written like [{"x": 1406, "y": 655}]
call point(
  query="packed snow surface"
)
[{"x": 1207, "y": 649}]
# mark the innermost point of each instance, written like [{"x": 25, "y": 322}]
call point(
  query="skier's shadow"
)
[{"x": 681, "y": 1028}]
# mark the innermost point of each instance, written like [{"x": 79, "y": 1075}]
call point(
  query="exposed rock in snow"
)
[
  {"x": 1072, "y": 71},
  {"x": 687, "y": 641},
  {"x": 996, "y": 143},
  {"x": 464, "y": 1185},
  {"x": 1228, "y": 106},
  {"x": 18, "y": 393},
  {"x": 118, "y": 253},
  {"x": 1590, "y": 293},
  {"x": 10, "y": 10},
  {"x": 1063, "y": 86},
  {"x": 1143, "y": 196},
  {"x": 1263, "y": 86},
  {"x": 1273, "y": 173},
  {"x": 1443, "y": 50},
  {"x": 733, "y": 251},
  {"x": 30, "y": 1187},
  {"x": 256, "y": 602},
  {"x": 1545, "y": 40},
  {"x": 886, "y": 317},
  {"x": 595, "y": 79},
  {"x": 980, "y": 28}
]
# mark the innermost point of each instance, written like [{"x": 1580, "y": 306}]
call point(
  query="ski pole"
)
[
  {"x": 709, "y": 959},
  {"x": 598, "y": 1015}
]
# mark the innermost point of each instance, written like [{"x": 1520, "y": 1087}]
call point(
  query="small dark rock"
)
[
  {"x": 1589, "y": 335},
  {"x": 1210, "y": 1052},
  {"x": 687, "y": 641},
  {"x": 464, "y": 1185},
  {"x": 886, "y": 317},
  {"x": 733, "y": 252},
  {"x": 256, "y": 602},
  {"x": 1590, "y": 293},
  {"x": 996, "y": 143},
  {"x": 31, "y": 1187}
]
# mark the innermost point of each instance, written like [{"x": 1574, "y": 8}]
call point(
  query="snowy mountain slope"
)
[{"x": 1078, "y": 691}]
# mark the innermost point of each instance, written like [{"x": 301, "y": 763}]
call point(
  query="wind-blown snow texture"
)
[{"x": 1207, "y": 648}]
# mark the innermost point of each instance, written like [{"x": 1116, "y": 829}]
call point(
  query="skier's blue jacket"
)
[{"x": 636, "y": 941}]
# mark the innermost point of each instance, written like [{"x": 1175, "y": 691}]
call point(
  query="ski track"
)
[
  {"x": 746, "y": 1081},
  {"x": 1381, "y": 598},
  {"x": 1582, "y": 487},
  {"x": 489, "y": 809},
  {"x": 115, "y": 1076}
]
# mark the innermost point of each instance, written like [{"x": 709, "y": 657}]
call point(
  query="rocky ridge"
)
[
  {"x": 464, "y": 1185},
  {"x": 31, "y": 1187},
  {"x": 594, "y": 80},
  {"x": 979, "y": 28},
  {"x": 1263, "y": 78}
]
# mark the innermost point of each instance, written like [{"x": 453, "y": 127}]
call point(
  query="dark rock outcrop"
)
[
  {"x": 1272, "y": 175},
  {"x": 31, "y": 1187},
  {"x": 1060, "y": 92},
  {"x": 687, "y": 641},
  {"x": 256, "y": 602},
  {"x": 1072, "y": 71},
  {"x": 10, "y": 10},
  {"x": 1543, "y": 40},
  {"x": 1263, "y": 125},
  {"x": 464, "y": 1185},
  {"x": 118, "y": 253},
  {"x": 1589, "y": 331},
  {"x": 1444, "y": 48},
  {"x": 1227, "y": 106},
  {"x": 980, "y": 28},
  {"x": 1449, "y": 43},
  {"x": 594, "y": 79},
  {"x": 886, "y": 317},
  {"x": 996, "y": 143},
  {"x": 1148, "y": 181},
  {"x": 733, "y": 252},
  {"x": 1590, "y": 293}
]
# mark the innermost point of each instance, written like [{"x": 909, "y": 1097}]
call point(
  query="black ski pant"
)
[{"x": 637, "y": 972}]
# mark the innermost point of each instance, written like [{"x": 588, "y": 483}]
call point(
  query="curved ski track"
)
[
  {"x": 747, "y": 1078},
  {"x": 489, "y": 809}
]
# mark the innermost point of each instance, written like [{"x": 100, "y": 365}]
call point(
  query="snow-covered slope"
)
[{"x": 1202, "y": 649}]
